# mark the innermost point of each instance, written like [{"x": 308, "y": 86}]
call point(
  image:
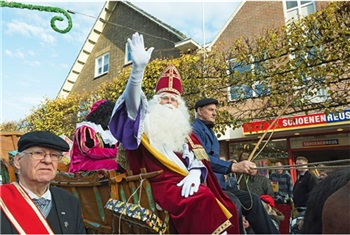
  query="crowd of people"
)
[{"x": 156, "y": 134}]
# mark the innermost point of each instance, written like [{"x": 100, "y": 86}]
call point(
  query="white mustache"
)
[{"x": 170, "y": 106}]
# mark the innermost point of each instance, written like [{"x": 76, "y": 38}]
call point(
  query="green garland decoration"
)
[{"x": 43, "y": 8}]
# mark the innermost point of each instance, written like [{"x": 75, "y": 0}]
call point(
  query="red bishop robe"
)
[{"x": 207, "y": 211}]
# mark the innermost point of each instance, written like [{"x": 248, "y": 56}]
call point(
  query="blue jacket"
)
[{"x": 212, "y": 147}]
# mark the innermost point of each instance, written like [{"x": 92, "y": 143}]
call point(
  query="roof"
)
[
  {"x": 187, "y": 44},
  {"x": 226, "y": 24},
  {"x": 157, "y": 21},
  {"x": 93, "y": 37}
]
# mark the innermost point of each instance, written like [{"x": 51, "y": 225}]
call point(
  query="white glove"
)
[
  {"x": 190, "y": 184},
  {"x": 140, "y": 58}
]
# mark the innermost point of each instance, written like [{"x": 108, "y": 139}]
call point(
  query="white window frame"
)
[
  {"x": 300, "y": 8},
  {"x": 102, "y": 64},
  {"x": 320, "y": 95},
  {"x": 230, "y": 62},
  {"x": 82, "y": 112},
  {"x": 252, "y": 90}
]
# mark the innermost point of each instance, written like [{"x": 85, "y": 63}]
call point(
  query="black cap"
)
[
  {"x": 42, "y": 139},
  {"x": 205, "y": 102}
]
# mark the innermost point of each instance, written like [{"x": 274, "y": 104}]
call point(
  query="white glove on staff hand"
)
[
  {"x": 190, "y": 184},
  {"x": 139, "y": 56}
]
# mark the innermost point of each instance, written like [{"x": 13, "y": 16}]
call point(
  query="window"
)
[
  {"x": 127, "y": 54},
  {"x": 83, "y": 110},
  {"x": 102, "y": 65},
  {"x": 241, "y": 91},
  {"x": 298, "y": 9},
  {"x": 318, "y": 94},
  {"x": 315, "y": 95},
  {"x": 245, "y": 91},
  {"x": 259, "y": 89}
]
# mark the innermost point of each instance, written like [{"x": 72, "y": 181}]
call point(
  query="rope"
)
[
  {"x": 250, "y": 196},
  {"x": 121, "y": 214},
  {"x": 140, "y": 188},
  {"x": 272, "y": 125},
  {"x": 291, "y": 167},
  {"x": 284, "y": 167},
  {"x": 123, "y": 26},
  {"x": 263, "y": 147}
]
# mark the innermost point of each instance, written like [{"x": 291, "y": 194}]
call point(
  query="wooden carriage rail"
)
[
  {"x": 94, "y": 189},
  {"x": 8, "y": 142}
]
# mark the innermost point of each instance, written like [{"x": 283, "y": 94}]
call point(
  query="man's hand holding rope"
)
[{"x": 244, "y": 167}]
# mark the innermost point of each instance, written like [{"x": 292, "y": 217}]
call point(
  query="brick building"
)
[
  {"x": 252, "y": 18},
  {"x": 317, "y": 136},
  {"x": 105, "y": 53}
]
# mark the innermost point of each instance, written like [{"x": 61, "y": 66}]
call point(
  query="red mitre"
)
[{"x": 169, "y": 81}]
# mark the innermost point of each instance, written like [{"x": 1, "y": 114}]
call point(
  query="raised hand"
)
[{"x": 140, "y": 57}]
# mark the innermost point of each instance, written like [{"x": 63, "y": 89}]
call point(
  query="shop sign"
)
[
  {"x": 296, "y": 122},
  {"x": 319, "y": 143}
]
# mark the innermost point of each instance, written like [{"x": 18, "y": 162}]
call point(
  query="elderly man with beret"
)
[
  {"x": 32, "y": 206},
  {"x": 248, "y": 204}
]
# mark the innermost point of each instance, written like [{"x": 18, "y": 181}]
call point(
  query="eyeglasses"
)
[{"x": 40, "y": 155}]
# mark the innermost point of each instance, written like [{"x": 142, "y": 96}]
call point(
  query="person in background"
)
[
  {"x": 94, "y": 147},
  {"x": 157, "y": 135},
  {"x": 230, "y": 178},
  {"x": 32, "y": 206},
  {"x": 261, "y": 186},
  {"x": 304, "y": 183},
  {"x": 283, "y": 180},
  {"x": 231, "y": 182},
  {"x": 247, "y": 204},
  {"x": 257, "y": 184},
  {"x": 323, "y": 172},
  {"x": 248, "y": 229}
]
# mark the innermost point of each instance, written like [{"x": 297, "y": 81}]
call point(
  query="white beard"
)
[{"x": 168, "y": 126}]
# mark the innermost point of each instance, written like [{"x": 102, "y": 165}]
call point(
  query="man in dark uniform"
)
[{"x": 247, "y": 204}]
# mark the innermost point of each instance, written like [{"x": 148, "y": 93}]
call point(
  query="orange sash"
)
[{"x": 21, "y": 210}]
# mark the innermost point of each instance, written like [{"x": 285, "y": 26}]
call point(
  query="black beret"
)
[
  {"x": 204, "y": 102},
  {"x": 42, "y": 139}
]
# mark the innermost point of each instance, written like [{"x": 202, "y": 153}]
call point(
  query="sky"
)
[{"x": 35, "y": 59}]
